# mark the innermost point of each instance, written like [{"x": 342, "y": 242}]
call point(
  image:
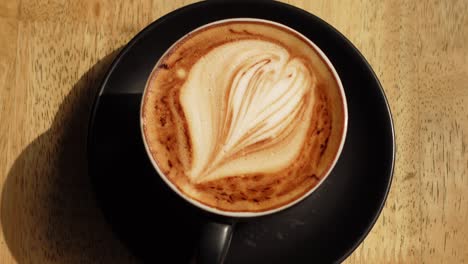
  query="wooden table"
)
[{"x": 52, "y": 54}]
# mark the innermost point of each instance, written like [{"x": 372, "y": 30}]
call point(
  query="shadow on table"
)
[{"x": 48, "y": 210}]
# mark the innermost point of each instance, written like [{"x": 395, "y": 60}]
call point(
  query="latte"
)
[{"x": 243, "y": 116}]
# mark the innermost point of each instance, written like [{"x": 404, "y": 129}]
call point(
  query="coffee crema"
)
[{"x": 243, "y": 116}]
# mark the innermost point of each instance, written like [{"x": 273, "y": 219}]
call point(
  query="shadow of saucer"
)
[{"x": 48, "y": 210}]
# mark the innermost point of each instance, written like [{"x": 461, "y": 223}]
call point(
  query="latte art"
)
[
  {"x": 244, "y": 113},
  {"x": 243, "y": 116}
]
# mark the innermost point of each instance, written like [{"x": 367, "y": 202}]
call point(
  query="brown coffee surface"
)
[{"x": 243, "y": 116}]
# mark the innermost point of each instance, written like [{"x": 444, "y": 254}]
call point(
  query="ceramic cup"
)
[{"x": 217, "y": 232}]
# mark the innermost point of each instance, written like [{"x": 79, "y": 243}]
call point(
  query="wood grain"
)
[{"x": 52, "y": 52}]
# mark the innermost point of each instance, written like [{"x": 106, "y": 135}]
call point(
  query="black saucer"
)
[{"x": 158, "y": 225}]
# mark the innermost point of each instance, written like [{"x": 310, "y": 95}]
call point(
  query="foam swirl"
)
[{"x": 248, "y": 114}]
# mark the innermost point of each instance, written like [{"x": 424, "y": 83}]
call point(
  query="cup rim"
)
[{"x": 243, "y": 214}]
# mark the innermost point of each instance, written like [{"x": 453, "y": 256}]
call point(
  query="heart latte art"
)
[
  {"x": 244, "y": 115},
  {"x": 240, "y": 116}
]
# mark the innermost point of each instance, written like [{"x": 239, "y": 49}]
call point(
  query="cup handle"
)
[{"x": 214, "y": 243}]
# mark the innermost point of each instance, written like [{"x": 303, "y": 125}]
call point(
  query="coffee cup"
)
[{"x": 242, "y": 118}]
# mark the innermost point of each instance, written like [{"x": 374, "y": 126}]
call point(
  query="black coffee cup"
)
[{"x": 217, "y": 232}]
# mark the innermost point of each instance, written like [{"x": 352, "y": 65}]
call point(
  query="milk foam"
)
[{"x": 248, "y": 106}]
